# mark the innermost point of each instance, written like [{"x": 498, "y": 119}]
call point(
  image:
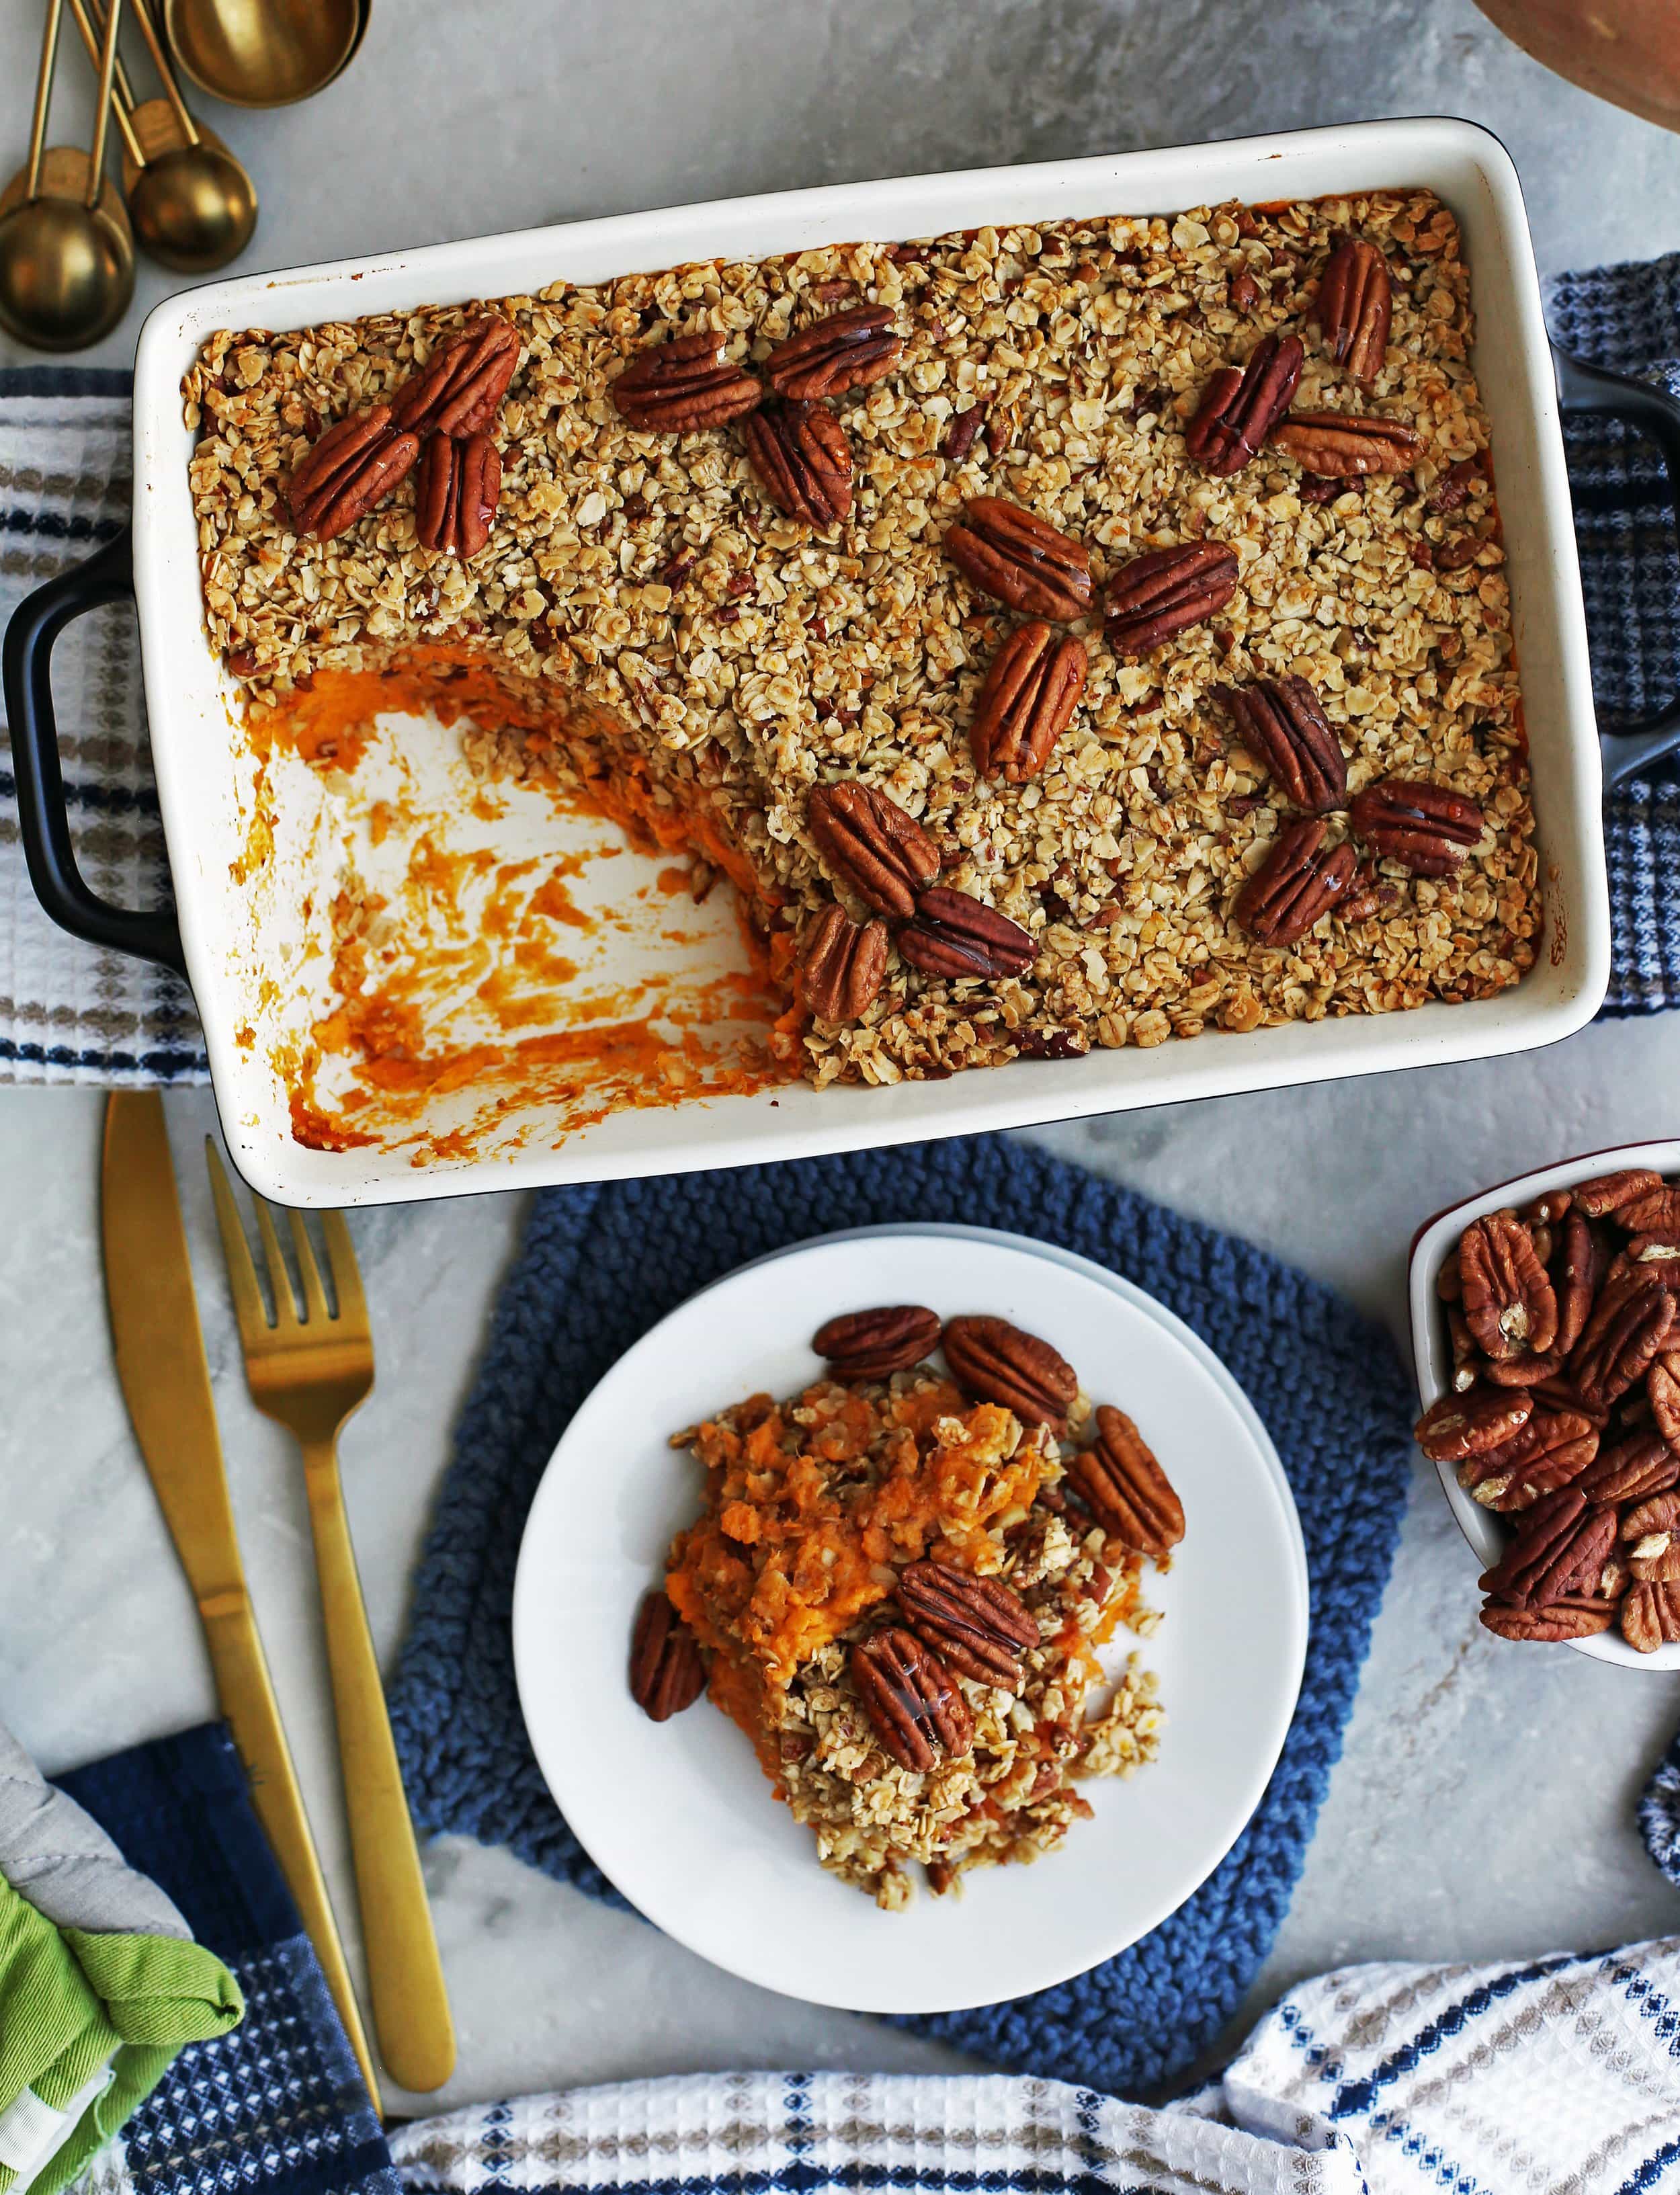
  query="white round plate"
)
[{"x": 679, "y": 1815}]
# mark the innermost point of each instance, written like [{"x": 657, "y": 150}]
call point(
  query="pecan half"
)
[
  {"x": 867, "y": 840},
  {"x": 1661, "y": 1513},
  {"x": 1662, "y": 1385},
  {"x": 848, "y": 350},
  {"x": 1280, "y": 722},
  {"x": 800, "y": 454},
  {"x": 1353, "y": 306},
  {"x": 1633, "y": 1471},
  {"x": 1125, "y": 1488},
  {"x": 1575, "y": 1616},
  {"x": 1655, "y": 1212},
  {"x": 1607, "y": 1193},
  {"x": 1002, "y": 1363},
  {"x": 841, "y": 965},
  {"x": 1580, "y": 1267},
  {"x": 1560, "y": 1545},
  {"x": 1027, "y": 702},
  {"x": 870, "y": 1344},
  {"x": 956, "y": 934},
  {"x": 350, "y": 471},
  {"x": 1650, "y": 1616},
  {"x": 456, "y": 491},
  {"x": 977, "y": 1626},
  {"x": 1426, "y": 828},
  {"x": 665, "y": 1671},
  {"x": 457, "y": 389},
  {"x": 1165, "y": 592},
  {"x": 911, "y": 1700},
  {"x": 1241, "y": 405},
  {"x": 1472, "y": 1425},
  {"x": 685, "y": 385},
  {"x": 1296, "y": 884},
  {"x": 1623, "y": 1335},
  {"x": 1553, "y": 1447},
  {"x": 1340, "y": 444},
  {"x": 1508, "y": 1297},
  {"x": 1017, "y": 558}
]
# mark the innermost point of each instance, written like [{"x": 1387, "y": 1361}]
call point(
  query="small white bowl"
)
[{"x": 1432, "y": 1356}]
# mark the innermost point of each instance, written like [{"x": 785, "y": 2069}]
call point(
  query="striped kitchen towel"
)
[
  {"x": 1559, "y": 2073},
  {"x": 69, "y": 1013}
]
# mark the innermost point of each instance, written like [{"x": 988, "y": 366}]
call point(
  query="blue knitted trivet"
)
[
  {"x": 1628, "y": 319},
  {"x": 601, "y": 1264}
]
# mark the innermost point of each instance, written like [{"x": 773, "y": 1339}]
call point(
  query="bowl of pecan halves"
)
[{"x": 1546, "y": 1321}]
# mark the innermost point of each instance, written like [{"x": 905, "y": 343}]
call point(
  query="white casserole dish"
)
[
  {"x": 201, "y": 788},
  {"x": 1488, "y": 1535}
]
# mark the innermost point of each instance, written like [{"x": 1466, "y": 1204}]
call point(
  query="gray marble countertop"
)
[{"x": 1483, "y": 1806}]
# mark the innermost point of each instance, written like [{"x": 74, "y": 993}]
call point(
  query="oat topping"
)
[{"x": 641, "y": 578}]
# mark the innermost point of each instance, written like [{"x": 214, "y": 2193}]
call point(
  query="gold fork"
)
[{"x": 309, "y": 1374}]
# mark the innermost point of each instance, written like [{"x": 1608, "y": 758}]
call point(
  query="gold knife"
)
[{"x": 160, "y": 1361}]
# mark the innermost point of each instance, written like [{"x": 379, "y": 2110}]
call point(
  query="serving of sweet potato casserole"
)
[{"x": 897, "y": 1587}]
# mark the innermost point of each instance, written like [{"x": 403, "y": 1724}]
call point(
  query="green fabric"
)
[{"x": 72, "y": 2003}]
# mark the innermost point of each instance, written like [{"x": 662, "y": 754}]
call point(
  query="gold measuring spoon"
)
[
  {"x": 193, "y": 205},
  {"x": 66, "y": 255},
  {"x": 262, "y": 53}
]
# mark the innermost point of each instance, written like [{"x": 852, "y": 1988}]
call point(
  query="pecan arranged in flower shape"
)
[
  {"x": 911, "y": 1700},
  {"x": 685, "y": 385},
  {"x": 1280, "y": 722},
  {"x": 871, "y": 1345},
  {"x": 1473, "y": 1424},
  {"x": 870, "y": 843},
  {"x": 848, "y": 350},
  {"x": 1002, "y": 1363},
  {"x": 1017, "y": 558},
  {"x": 1508, "y": 1297},
  {"x": 1241, "y": 405},
  {"x": 1165, "y": 591},
  {"x": 1341, "y": 445},
  {"x": 1607, "y": 1193},
  {"x": 800, "y": 454},
  {"x": 665, "y": 1671},
  {"x": 977, "y": 1626},
  {"x": 1553, "y": 1447},
  {"x": 1121, "y": 1483},
  {"x": 1027, "y": 702},
  {"x": 457, "y": 391},
  {"x": 456, "y": 491},
  {"x": 841, "y": 965},
  {"x": 1633, "y": 1471},
  {"x": 1426, "y": 828},
  {"x": 1650, "y": 1616},
  {"x": 954, "y": 934},
  {"x": 350, "y": 471},
  {"x": 1575, "y": 1616},
  {"x": 1624, "y": 1334},
  {"x": 1560, "y": 1548},
  {"x": 1353, "y": 306},
  {"x": 1296, "y": 884}
]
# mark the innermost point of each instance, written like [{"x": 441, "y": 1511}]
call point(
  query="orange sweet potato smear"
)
[{"x": 808, "y": 1505}]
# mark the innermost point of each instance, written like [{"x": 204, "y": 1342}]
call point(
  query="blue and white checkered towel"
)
[
  {"x": 1556, "y": 2074},
  {"x": 1628, "y": 319}
]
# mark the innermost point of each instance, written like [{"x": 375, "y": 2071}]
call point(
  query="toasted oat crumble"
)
[{"x": 750, "y": 659}]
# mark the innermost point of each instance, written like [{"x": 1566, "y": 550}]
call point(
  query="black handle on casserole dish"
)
[
  {"x": 1581, "y": 388},
  {"x": 27, "y": 667}
]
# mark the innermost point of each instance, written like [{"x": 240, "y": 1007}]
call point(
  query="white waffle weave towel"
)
[{"x": 1558, "y": 2074}]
